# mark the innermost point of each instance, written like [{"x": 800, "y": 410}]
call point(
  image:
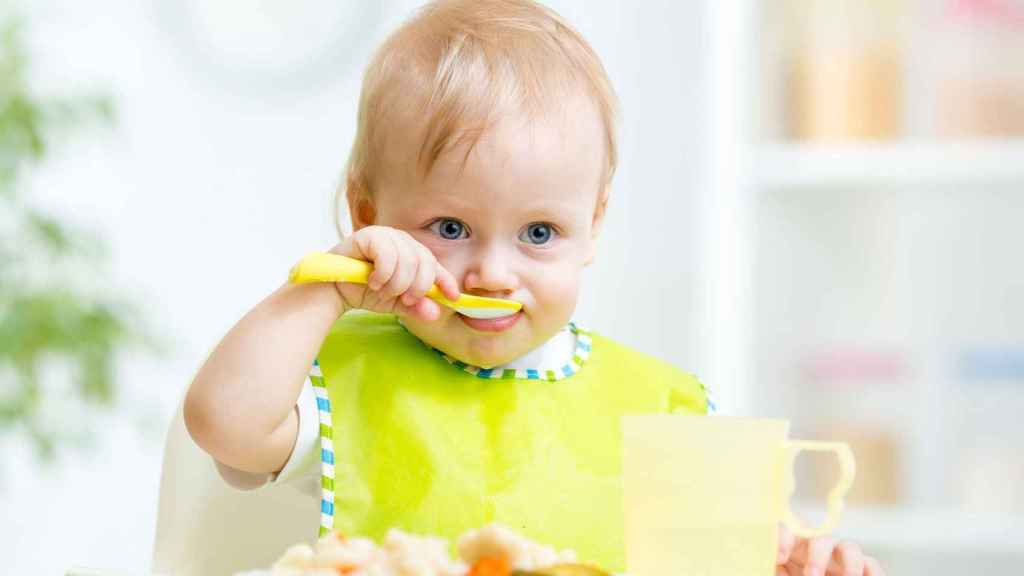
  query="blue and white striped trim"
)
[
  {"x": 579, "y": 358},
  {"x": 323, "y": 409},
  {"x": 709, "y": 399}
]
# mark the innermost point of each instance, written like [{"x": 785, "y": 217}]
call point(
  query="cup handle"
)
[{"x": 847, "y": 470}]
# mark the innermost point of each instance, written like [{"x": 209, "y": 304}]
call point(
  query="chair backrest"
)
[{"x": 206, "y": 528}]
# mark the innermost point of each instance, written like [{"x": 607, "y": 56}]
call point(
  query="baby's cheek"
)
[{"x": 558, "y": 293}]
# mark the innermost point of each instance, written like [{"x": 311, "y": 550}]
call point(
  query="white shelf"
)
[
  {"x": 931, "y": 531},
  {"x": 795, "y": 166}
]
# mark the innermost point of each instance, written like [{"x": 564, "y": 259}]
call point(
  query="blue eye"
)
[
  {"x": 449, "y": 229},
  {"x": 537, "y": 233}
]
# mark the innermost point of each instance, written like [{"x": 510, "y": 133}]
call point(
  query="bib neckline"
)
[{"x": 581, "y": 354}]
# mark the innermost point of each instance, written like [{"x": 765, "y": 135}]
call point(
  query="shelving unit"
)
[
  {"x": 882, "y": 177},
  {"x": 908, "y": 243},
  {"x": 796, "y": 166},
  {"x": 922, "y": 530}
]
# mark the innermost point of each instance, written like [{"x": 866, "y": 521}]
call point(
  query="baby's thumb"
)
[{"x": 423, "y": 309}]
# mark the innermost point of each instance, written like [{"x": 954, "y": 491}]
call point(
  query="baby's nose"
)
[{"x": 491, "y": 274}]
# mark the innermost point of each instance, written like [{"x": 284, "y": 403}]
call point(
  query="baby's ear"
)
[{"x": 360, "y": 206}]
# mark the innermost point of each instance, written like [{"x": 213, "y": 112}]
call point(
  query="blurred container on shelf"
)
[
  {"x": 879, "y": 465},
  {"x": 854, "y": 395},
  {"x": 988, "y": 400},
  {"x": 993, "y": 364},
  {"x": 844, "y": 61},
  {"x": 978, "y": 46}
]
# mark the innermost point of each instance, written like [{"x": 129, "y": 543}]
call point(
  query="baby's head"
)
[{"x": 486, "y": 131}]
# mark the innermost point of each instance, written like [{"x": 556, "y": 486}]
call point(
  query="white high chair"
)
[{"x": 206, "y": 528}]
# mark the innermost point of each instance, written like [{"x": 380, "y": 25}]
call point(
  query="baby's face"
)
[{"x": 517, "y": 220}]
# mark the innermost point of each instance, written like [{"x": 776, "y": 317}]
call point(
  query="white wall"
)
[{"x": 208, "y": 192}]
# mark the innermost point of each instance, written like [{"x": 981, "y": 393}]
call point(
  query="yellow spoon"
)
[{"x": 325, "y": 267}]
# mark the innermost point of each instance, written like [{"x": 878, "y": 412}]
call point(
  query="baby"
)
[{"x": 482, "y": 162}]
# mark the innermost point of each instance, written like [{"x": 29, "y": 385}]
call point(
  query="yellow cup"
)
[{"x": 705, "y": 495}]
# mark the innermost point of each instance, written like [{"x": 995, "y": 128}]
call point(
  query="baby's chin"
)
[
  {"x": 485, "y": 351},
  {"x": 485, "y": 354}
]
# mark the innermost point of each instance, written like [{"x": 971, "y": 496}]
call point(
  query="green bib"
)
[{"x": 413, "y": 440}]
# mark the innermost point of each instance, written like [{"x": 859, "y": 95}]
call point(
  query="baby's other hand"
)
[
  {"x": 404, "y": 269},
  {"x": 822, "y": 556}
]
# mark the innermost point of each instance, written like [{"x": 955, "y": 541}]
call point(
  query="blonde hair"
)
[{"x": 458, "y": 63}]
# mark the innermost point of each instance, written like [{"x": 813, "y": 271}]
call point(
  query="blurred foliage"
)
[{"x": 62, "y": 326}]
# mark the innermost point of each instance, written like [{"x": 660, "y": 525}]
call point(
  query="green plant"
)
[{"x": 61, "y": 326}]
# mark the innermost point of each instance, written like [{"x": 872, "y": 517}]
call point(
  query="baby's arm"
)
[{"x": 240, "y": 407}]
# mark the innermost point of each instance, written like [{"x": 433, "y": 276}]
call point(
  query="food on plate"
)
[{"x": 489, "y": 551}]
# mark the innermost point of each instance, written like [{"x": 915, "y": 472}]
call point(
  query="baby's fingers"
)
[
  {"x": 786, "y": 542},
  {"x": 813, "y": 554},
  {"x": 405, "y": 272},
  {"x": 425, "y": 268},
  {"x": 425, "y": 309},
  {"x": 849, "y": 560},
  {"x": 383, "y": 252},
  {"x": 446, "y": 282}
]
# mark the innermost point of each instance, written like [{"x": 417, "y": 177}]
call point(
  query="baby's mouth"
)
[{"x": 491, "y": 324}]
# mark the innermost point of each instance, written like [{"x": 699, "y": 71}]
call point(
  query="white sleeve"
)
[{"x": 302, "y": 469}]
